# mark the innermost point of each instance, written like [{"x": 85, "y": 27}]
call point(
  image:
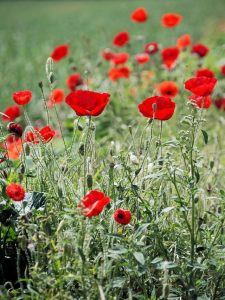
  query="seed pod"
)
[
  {"x": 89, "y": 181},
  {"x": 81, "y": 149}
]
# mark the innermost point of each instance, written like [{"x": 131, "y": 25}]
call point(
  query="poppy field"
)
[{"x": 112, "y": 150}]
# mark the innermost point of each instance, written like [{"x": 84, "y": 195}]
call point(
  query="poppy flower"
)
[
  {"x": 15, "y": 191},
  {"x": 222, "y": 70},
  {"x": 15, "y": 128},
  {"x": 200, "y": 86},
  {"x": 142, "y": 58},
  {"x": 157, "y": 107},
  {"x": 87, "y": 103},
  {"x": 93, "y": 203},
  {"x": 14, "y": 147},
  {"x": 168, "y": 89},
  {"x": 200, "y": 49},
  {"x": 60, "y": 52},
  {"x": 121, "y": 39},
  {"x": 122, "y": 216},
  {"x": 117, "y": 73},
  {"x": 73, "y": 81},
  {"x": 200, "y": 101},
  {"x": 139, "y": 15},
  {"x": 107, "y": 54},
  {"x": 120, "y": 58},
  {"x": 22, "y": 97},
  {"x": 171, "y": 20},
  {"x": 204, "y": 73},
  {"x": 220, "y": 103},
  {"x": 151, "y": 48},
  {"x": 56, "y": 97},
  {"x": 45, "y": 134},
  {"x": 169, "y": 57},
  {"x": 12, "y": 112},
  {"x": 183, "y": 41}
]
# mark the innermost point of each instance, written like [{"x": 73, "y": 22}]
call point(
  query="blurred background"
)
[{"x": 30, "y": 30}]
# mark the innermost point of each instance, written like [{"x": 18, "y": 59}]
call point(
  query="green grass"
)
[{"x": 30, "y": 30}]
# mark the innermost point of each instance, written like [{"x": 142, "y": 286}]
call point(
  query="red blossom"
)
[
  {"x": 15, "y": 191},
  {"x": 200, "y": 101},
  {"x": 22, "y": 97},
  {"x": 200, "y": 49},
  {"x": 117, "y": 73},
  {"x": 169, "y": 57},
  {"x": 204, "y": 73},
  {"x": 73, "y": 81},
  {"x": 222, "y": 70},
  {"x": 220, "y": 103},
  {"x": 183, "y": 41},
  {"x": 15, "y": 128},
  {"x": 201, "y": 86},
  {"x": 121, "y": 39},
  {"x": 44, "y": 134},
  {"x": 12, "y": 112},
  {"x": 151, "y": 48},
  {"x": 56, "y": 97},
  {"x": 142, "y": 58},
  {"x": 171, "y": 20},
  {"x": 168, "y": 89},
  {"x": 157, "y": 107},
  {"x": 139, "y": 15},
  {"x": 120, "y": 58},
  {"x": 122, "y": 216},
  {"x": 107, "y": 54},
  {"x": 60, "y": 52}
]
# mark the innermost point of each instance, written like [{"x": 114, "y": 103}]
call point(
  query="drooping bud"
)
[{"x": 15, "y": 128}]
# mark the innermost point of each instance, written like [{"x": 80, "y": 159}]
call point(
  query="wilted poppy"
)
[
  {"x": 168, "y": 88},
  {"x": 107, "y": 54},
  {"x": 183, "y": 41},
  {"x": 22, "y": 97},
  {"x": 56, "y": 97},
  {"x": 151, "y": 48},
  {"x": 87, "y": 103},
  {"x": 169, "y": 57},
  {"x": 122, "y": 216},
  {"x": 171, "y": 20},
  {"x": 11, "y": 112},
  {"x": 15, "y": 191},
  {"x": 15, "y": 128},
  {"x": 44, "y": 134},
  {"x": 201, "y": 86},
  {"x": 204, "y": 73},
  {"x": 200, "y": 49},
  {"x": 60, "y": 52},
  {"x": 121, "y": 39},
  {"x": 157, "y": 107},
  {"x": 93, "y": 203},
  {"x": 140, "y": 15},
  {"x": 200, "y": 101},
  {"x": 117, "y": 73},
  {"x": 73, "y": 81},
  {"x": 142, "y": 58},
  {"x": 120, "y": 58}
]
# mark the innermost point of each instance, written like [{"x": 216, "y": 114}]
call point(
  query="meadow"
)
[{"x": 112, "y": 159}]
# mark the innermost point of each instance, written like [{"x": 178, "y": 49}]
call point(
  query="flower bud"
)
[{"x": 15, "y": 128}]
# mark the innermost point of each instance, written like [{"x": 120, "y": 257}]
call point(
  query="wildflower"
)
[
  {"x": 151, "y": 48},
  {"x": 15, "y": 128},
  {"x": 120, "y": 58},
  {"x": 200, "y": 101},
  {"x": 222, "y": 70},
  {"x": 15, "y": 191},
  {"x": 107, "y": 54},
  {"x": 121, "y": 39},
  {"x": 56, "y": 97},
  {"x": 87, "y": 103},
  {"x": 156, "y": 107},
  {"x": 171, "y": 20},
  {"x": 93, "y": 203},
  {"x": 183, "y": 41},
  {"x": 45, "y": 134},
  {"x": 220, "y": 103},
  {"x": 60, "y": 52},
  {"x": 139, "y": 15},
  {"x": 204, "y": 73},
  {"x": 200, "y": 49},
  {"x": 122, "y": 216},
  {"x": 142, "y": 58},
  {"x": 11, "y": 112},
  {"x": 117, "y": 73},
  {"x": 73, "y": 81},
  {"x": 22, "y": 97},
  {"x": 168, "y": 88},
  {"x": 169, "y": 57},
  {"x": 201, "y": 86}
]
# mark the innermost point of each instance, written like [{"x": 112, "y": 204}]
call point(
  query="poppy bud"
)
[
  {"x": 15, "y": 128},
  {"x": 79, "y": 127},
  {"x": 40, "y": 84},
  {"x": 22, "y": 169},
  {"x": 51, "y": 78},
  {"x": 81, "y": 149},
  {"x": 89, "y": 181},
  {"x": 112, "y": 165},
  {"x": 27, "y": 149}
]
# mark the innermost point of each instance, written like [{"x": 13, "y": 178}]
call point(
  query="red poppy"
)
[
  {"x": 200, "y": 101},
  {"x": 151, "y": 48},
  {"x": 60, "y": 52},
  {"x": 15, "y": 191},
  {"x": 45, "y": 134},
  {"x": 220, "y": 103},
  {"x": 169, "y": 57},
  {"x": 120, "y": 58},
  {"x": 201, "y": 86},
  {"x": 56, "y": 97},
  {"x": 22, "y": 97},
  {"x": 168, "y": 89},
  {"x": 142, "y": 58},
  {"x": 157, "y": 107},
  {"x": 12, "y": 112},
  {"x": 122, "y": 216},
  {"x": 73, "y": 81},
  {"x": 121, "y": 39},
  {"x": 204, "y": 73},
  {"x": 87, "y": 103},
  {"x": 200, "y": 49},
  {"x": 171, "y": 20},
  {"x": 15, "y": 128},
  {"x": 222, "y": 70},
  {"x": 107, "y": 54},
  {"x": 93, "y": 203},
  {"x": 117, "y": 73},
  {"x": 140, "y": 15},
  {"x": 183, "y": 41},
  {"x": 14, "y": 147}
]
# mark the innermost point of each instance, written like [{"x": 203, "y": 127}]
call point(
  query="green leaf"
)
[
  {"x": 205, "y": 136},
  {"x": 139, "y": 257}
]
